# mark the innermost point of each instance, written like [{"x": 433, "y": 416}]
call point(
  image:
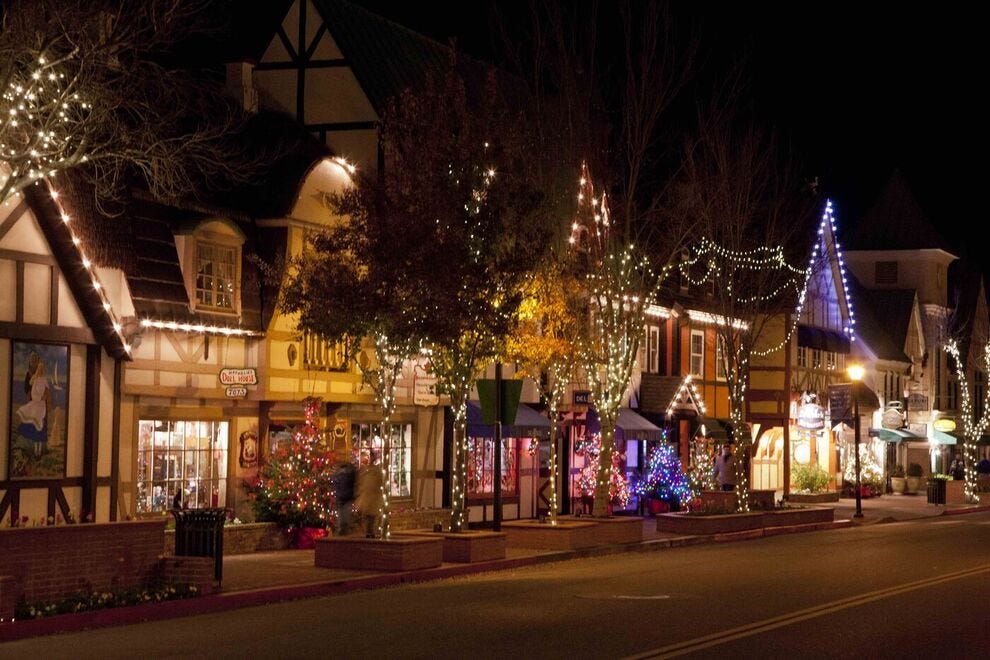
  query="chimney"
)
[{"x": 240, "y": 84}]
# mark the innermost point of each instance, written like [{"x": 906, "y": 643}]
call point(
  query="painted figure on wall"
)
[{"x": 38, "y": 403}]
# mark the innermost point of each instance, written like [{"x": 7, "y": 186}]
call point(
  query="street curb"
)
[
  {"x": 959, "y": 512},
  {"x": 272, "y": 595}
]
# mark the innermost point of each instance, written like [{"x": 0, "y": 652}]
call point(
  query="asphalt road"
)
[{"x": 915, "y": 589}]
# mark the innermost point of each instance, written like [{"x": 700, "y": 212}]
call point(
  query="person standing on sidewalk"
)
[
  {"x": 370, "y": 498},
  {"x": 343, "y": 484},
  {"x": 725, "y": 469}
]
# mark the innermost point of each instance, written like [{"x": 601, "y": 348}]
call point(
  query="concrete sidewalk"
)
[{"x": 272, "y": 577}]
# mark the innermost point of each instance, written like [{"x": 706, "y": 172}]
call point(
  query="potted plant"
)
[
  {"x": 914, "y": 473},
  {"x": 898, "y": 482}
]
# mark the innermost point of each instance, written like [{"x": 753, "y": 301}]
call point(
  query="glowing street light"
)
[{"x": 856, "y": 372}]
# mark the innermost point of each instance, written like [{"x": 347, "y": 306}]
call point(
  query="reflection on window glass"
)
[
  {"x": 365, "y": 441},
  {"x": 481, "y": 467},
  {"x": 181, "y": 462}
]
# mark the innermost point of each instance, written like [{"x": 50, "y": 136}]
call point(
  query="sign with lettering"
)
[
  {"x": 945, "y": 425},
  {"x": 840, "y": 403},
  {"x": 247, "y": 376},
  {"x": 917, "y": 402},
  {"x": 811, "y": 416},
  {"x": 582, "y": 398},
  {"x": 892, "y": 418},
  {"x": 236, "y": 392},
  {"x": 425, "y": 391}
]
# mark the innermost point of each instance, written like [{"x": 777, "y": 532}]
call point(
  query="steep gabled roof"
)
[
  {"x": 895, "y": 222},
  {"x": 883, "y": 318}
]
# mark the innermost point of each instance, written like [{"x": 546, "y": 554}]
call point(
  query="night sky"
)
[{"x": 859, "y": 90}]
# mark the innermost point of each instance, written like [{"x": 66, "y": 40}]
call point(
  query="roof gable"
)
[{"x": 896, "y": 222}]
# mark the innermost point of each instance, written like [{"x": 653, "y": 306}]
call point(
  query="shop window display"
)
[
  {"x": 481, "y": 467},
  {"x": 181, "y": 463},
  {"x": 365, "y": 439}
]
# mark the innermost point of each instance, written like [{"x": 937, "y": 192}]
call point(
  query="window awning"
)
[
  {"x": 629, "y": 426},
  {"x": 944, "y": 438},
  {"x": 823, "y": 340},
  {"x": 528, "y": 424},
  {"x": 897, "y": 435}
]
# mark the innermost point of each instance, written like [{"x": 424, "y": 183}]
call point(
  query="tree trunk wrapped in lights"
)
[{"x": 973, "y": 427}]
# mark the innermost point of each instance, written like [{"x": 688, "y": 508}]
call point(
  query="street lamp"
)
[{"x": 856, "y": 372}]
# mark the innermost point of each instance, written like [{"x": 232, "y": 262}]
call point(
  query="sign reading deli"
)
[{"x": 247, "y": 376}]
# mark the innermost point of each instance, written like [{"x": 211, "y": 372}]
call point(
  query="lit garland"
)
[
  {"x": 973, "y": 428},
  {"x": 200, "y": 328},
  {"x": 688, "y": 390}
]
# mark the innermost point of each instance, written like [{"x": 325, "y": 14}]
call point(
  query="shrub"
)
[
  {"x": 898, "y": 471},
  {"x": 811, "y": 478},
  {"x": 914, "y": 470}
]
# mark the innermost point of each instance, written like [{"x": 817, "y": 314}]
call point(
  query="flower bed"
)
[{"x": 86, "y": 602}]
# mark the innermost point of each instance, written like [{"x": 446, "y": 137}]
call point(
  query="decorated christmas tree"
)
[
  {"x": 618, "y": 487},
  {"x": 701, "y": 474},
  {"x": 294, "y": 488},
  {"x": 664, "y": 480},
  {"x": 870, "y": 472}
]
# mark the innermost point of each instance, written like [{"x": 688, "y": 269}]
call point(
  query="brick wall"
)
[
  {"x": 8, "y": 598},
  {"x": 402, "y": 553},
  {"x": 48, "y": 563},
  {"x": 243, "y": 539},
  {"x": 190, "y": 571}
]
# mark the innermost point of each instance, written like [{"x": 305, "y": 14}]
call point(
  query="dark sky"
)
[{"x": 860, "y": 90}]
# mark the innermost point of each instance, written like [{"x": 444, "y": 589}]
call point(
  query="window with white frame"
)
[
  {"x": 816, "y": 359},
  {"x": 802, "y": 356},
  {"x": 216, "y": 275},
  {"x": 652, "y": 349},
  {"x": 719, "y": 357},
  {"x": 697, "y": 365},
  {"x": 181, "y": 462},
  {"x": 368, "y": 443}
]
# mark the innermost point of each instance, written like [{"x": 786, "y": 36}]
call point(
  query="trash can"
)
[
  {"x": 936, "y": 491},
  {"x": 199, "y": 533}
]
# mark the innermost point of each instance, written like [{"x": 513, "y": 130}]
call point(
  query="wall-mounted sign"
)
[
  {"x": 892, "y": 418},
  {"x": 425, "y": 391},
  {"x": 582, "y": 398},
  {"x": 917, "y": 402},
  {"x": 248, "y": 376},
  {"x": 811, "y": 416},
  {"x": 248, "y": 455},
  {"x": 840, "y": 403},
  {"x": 945, "y": 425},
  {"x": 236, "y": 392}
]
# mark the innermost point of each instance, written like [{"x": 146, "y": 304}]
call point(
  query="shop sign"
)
[
  {"x": 917, "y": 402},
  {"x": 811, "y": 416},
  {"x": 582, "y": 398},
  {"x": 840, "y": 403},
  {"x": 892, "y": 418},
  {"x": 425, "y": 391},
  {"x": 945, "y": 425},
  {"x": 247, "y": 376},
  {"x": 236, "y": 392},
  {"x": 248, "y": 454}
]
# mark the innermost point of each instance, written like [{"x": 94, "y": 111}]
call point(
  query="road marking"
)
[{"x": 758, "y": 627}]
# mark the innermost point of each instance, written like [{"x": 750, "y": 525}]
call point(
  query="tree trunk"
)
[
  {"x": 458, "y": 498},
  {"x": 604, "y": 476},
  {"x": 739, "y": 454},
  {"x": 969, "y": 455},
  {"x": 552, "y": 499}
]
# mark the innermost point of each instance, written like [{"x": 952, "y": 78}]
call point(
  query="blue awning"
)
[
  {"x": 629, "y": 426},
  {"x": 897, "y": 435},
  {"x": 943, "y": 438},
  {"x": 528, "y": 424}
]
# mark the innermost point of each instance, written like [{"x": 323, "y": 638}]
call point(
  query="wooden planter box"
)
[
  {"x": 813, "y": 498},
  {"x": 565, "y": 535},
  {"x": 466, "y": 547},
  {"x": 402, "y": 553},
  {"x": 679, "y": 523}
]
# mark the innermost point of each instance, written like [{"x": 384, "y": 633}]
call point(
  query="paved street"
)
[{"x": 914, "y": 589}]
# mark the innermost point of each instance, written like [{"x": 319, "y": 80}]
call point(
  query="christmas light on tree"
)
[
  {"x": 973, "y": 427},
  {"x": 587, "y": 483},
  {"x": 664, "y": 480}
]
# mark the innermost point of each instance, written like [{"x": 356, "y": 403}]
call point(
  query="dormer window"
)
[
  {"x": 216, "y": 275},
  {"x": 210, "y": 254}
]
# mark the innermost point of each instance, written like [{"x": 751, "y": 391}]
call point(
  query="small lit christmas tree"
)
[
  {"x": 870, "y": 472},
  {"x": 664, "y": 480},
  {"x": 701, "y": 474},
  {"x": 294, "y": 488},
  {"x": 618, "y": 487}
]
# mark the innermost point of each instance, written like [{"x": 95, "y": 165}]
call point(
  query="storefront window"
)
[
  {"x": 183, "y": 458},
  {"x": 365, "y": 439},
  {"x": 481, "y": 467}
]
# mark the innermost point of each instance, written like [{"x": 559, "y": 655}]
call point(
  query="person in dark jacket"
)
[{"x": 343, "y": 484}]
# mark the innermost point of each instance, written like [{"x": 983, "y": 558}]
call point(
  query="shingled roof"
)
[
  {"x": 895, "y": 222},
  {"x": 883, "y": 318}
]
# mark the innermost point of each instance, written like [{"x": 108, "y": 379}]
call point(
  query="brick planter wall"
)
[
  {"x": 614, "y": 530},
  {"x": 566, "y": 535},
  {"x": 681, "y": 523},
  {"x": 191, "y": 571},
  {"x": 813, "y": 498},
  {"x": 784, "y": 517},
  {"x": 48, "y": 563},
  {"x": 401, "y": 553},
  {"x": 467, "y": 547},
  {"x": 243, "y": 539},
  {"x": 8, "y": 598},
  {"x": 425, "y": 519}
]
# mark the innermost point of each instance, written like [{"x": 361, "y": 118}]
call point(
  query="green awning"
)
[
  {"x": 943, "y": 438},
  {"x": 897, "y": 435}
]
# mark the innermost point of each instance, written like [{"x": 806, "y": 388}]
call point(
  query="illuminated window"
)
[
  {"x": 481, "y": 467},
  {"x": 181, "y": 457},
  {"x": 216, "y": 275},
  {"x": 816, "y": 359},
  {"x": 719, "y": 358},
  {"x": 652, "y": 349},
  {"x": 697, "y": 353},
  {"x": 365, "y": 439}
]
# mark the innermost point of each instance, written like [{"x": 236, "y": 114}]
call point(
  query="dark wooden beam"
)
[
  {"x": 310, "y": 64},
  {"x": 39, "y": 332},
  {"x": 115, "y": 439},
  {"x": 19, "y": 293},
  {"x": 12, "y": 219},
  {"x": 53, "y": 302},
  {"x": 21, "y": 484},
  {"x": 91, "y": 429},
  {"x": 17, "y": 255},
  {"x": 331, "y": 127}
]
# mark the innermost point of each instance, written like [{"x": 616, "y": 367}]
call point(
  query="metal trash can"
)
[
  {"x": 199, "y": 533},
  {"x": 936, "y": 491}
]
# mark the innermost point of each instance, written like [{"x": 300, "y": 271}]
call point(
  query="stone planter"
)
[
  {"x": 400, "y": 553},
  {"x": 913, "y": 485},
  {"x": 565, "y": 535},
  {"x": 898, "y": 484},
  {"x": 466, "y": 547},
  {"x": 813, "y": 498},
  {"x": 618, "y": 530},
  {"x": 694, "y": 525}
]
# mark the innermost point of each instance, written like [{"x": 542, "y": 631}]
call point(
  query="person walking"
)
[
  {"x": 343, "y": 488},
  {"x": 370, "y": 498},
  {"x": 725, "y": 469}
]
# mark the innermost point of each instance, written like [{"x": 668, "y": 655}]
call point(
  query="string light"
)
[
  {"x": 973, "y": 428},
  {"x": 687, "y": 393},
  {"x": 200, "y": 328}
]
